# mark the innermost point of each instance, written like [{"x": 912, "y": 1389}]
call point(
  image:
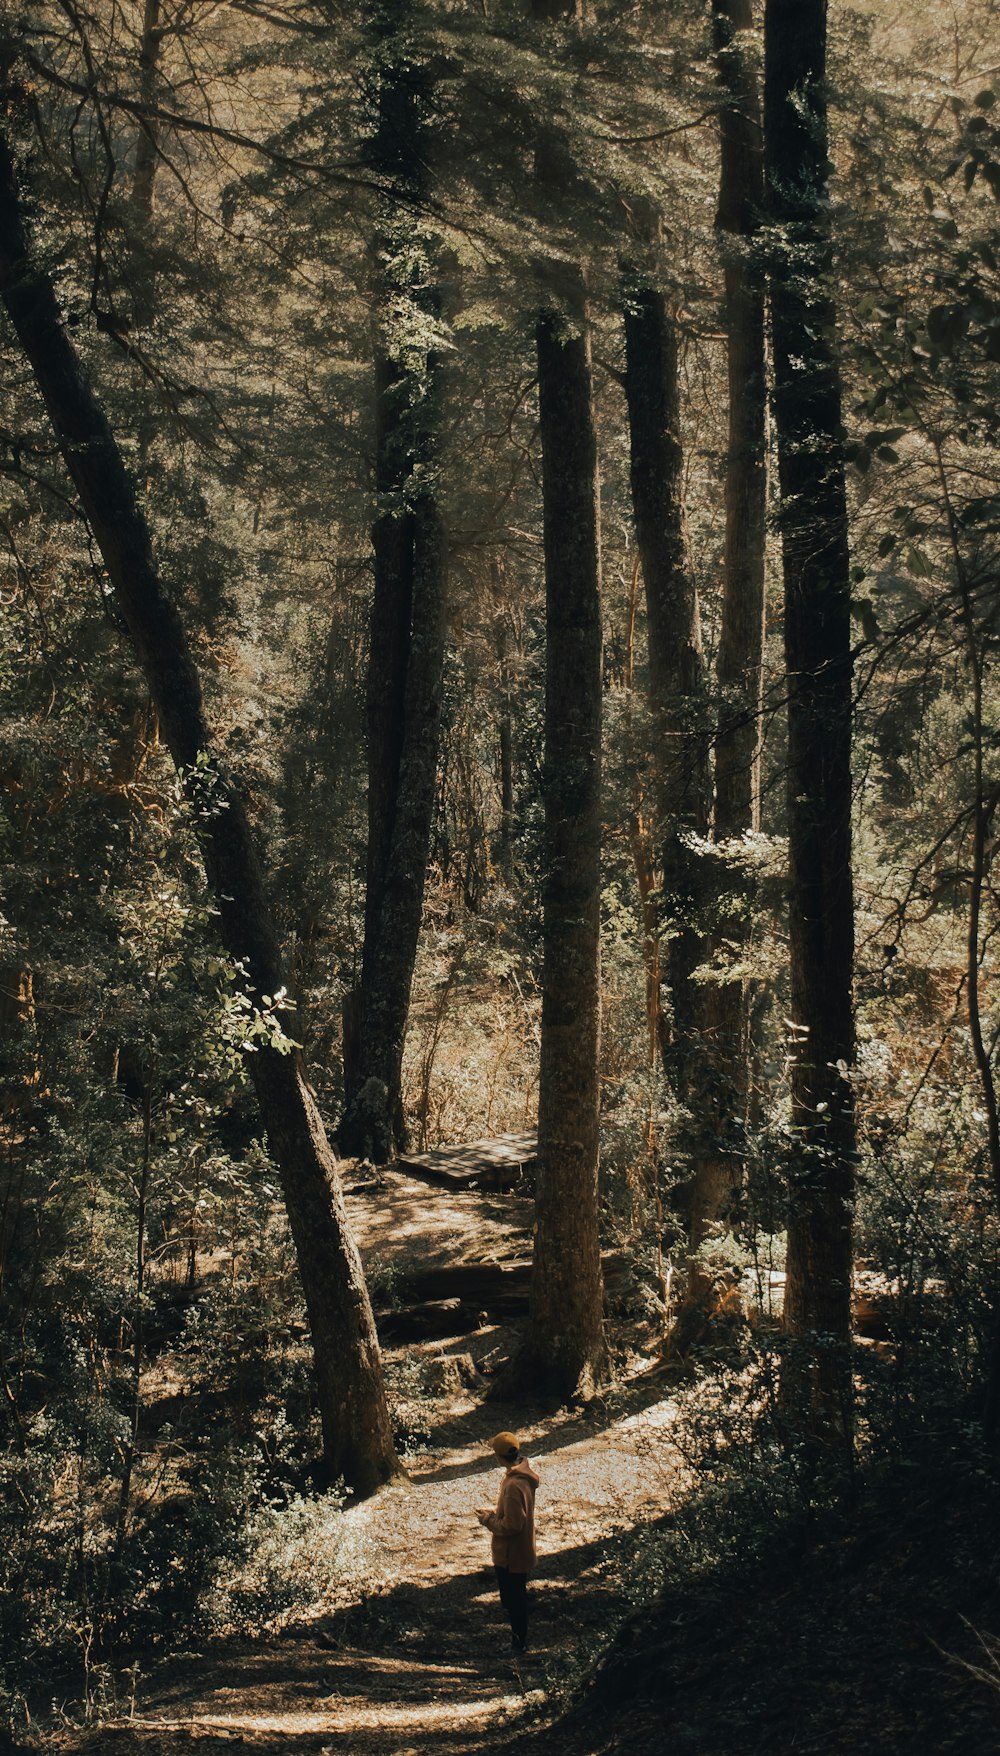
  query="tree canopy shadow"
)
[
  {"x": 419, "y": 1657},
  {"x": 565, "y": 1427}
]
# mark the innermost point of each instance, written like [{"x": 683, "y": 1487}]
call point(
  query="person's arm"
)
[{"x": 511, "y": 1515}]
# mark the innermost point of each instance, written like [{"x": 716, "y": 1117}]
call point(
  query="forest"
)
[{"x": 499, "y": 912}]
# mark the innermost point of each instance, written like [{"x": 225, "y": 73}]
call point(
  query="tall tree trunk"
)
[
  {"x": 739, "y": 666},
  {"x": 564, "y": 1349},
  {"x": 682, "y": 781},
  {"x": 356, "y": 1431},
  {"x": 816, "y": 562},
  {"x": 640, "y": 834},
  {"x": 676, "y": 660},
  {"x": 741, "y": 636},
  {"x": 564, "y": 1344},
  {"x": 406, "y": 663}
]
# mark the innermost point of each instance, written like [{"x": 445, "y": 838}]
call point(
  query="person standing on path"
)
[{"x": 512, "y": 1526}]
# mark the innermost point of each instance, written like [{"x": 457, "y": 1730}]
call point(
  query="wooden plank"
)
[{"x": 498, "y": 1163}]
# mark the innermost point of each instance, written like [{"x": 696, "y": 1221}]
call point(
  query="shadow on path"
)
[
  {"x": 411, "y": 1668},
  {"x": 566, "y": 1427}
]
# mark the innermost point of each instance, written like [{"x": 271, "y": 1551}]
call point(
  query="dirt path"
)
[
  {"x": 410, "y": 1654},
  {"x": 413, "y": 1658}
]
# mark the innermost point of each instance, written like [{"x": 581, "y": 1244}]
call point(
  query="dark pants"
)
[{"x": 514, "y": 1597}]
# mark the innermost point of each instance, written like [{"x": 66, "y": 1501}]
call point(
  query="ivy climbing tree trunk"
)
[
  {"x": 406, "y": 654},
  {"x": 816, "y": 564},
  {"x": 357, "y": 1436}
]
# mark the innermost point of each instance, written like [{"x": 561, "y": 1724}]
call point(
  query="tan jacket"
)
[{"x": 513, "y": 1522}]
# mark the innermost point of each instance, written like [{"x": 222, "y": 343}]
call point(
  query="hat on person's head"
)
[{"x": 505, "y": 1445}]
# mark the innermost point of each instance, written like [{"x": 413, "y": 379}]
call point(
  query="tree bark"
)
[
  {"x": 816, "y": 564},
  {"x": 505, "y": 753},
  {"x": 640, "y": 835},
  {"x": 718, "y": 1166},
  {"x": 564, "y": 1347},
  {"x": 406, "y": 663},
  {"x": 564, "y": 1350},
  {"x": 676, "y": 661},
  {"x": 356, "y": 1430},
  {"x": 741, "y": 637},
  {"x": 147, "y": 141}
]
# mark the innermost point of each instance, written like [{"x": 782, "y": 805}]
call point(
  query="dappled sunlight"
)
[
  {"x": 410, "y": 1638},
  {"x": 421, "y": 1712},
  {"x": 404, "y": 1223},
  {"x": 625, "y": 1472}
]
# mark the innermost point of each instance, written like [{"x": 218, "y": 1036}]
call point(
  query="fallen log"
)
[
  {"x": 460, "y": 1296},
  {"x": 482, "y": 1283},
  {"x": 475, "y": 1283},
  {"x": 435, "y": 1320}
]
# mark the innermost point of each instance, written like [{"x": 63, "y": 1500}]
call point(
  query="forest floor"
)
[
  {"x": 878, "y": 1628},
  {"x": 409, "y": 1652}
]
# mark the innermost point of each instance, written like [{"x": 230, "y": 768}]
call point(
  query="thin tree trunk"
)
[
  {"x": 816, "y": 563},
  {"x": 356, "y": 1431},
  {"x": 406, "y": 663},
  {"x": 505, "y": 749},
  {"x": 142, "y": 275},
  {"x": 131, "y": 1447},
  {"x": 643, "y": 861},
  {"x": 147, "y": 142}
]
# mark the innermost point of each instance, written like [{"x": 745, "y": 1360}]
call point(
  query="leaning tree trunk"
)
[
  {"x": 564, "y": 1348},
  {"x": 406, "y": 654},
  {"x": 356, "y": 1430},
  {"x": 718, "y": 1166},
  {"x": 814, "y": 528}
]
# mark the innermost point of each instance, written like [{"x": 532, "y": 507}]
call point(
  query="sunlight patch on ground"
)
[
  {"x": 424, "y": 1529},
  {"x": 354, "y": 1711}
]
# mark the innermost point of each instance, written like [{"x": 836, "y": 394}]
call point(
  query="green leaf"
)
[{"x": 918, "y": 564}]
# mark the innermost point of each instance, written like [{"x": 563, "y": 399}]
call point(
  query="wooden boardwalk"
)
[{"x": 493, "y": 1164}]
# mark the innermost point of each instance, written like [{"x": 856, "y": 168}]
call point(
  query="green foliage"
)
[{"x": 155, "y": 1392}]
